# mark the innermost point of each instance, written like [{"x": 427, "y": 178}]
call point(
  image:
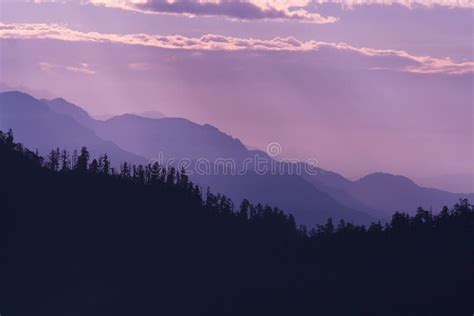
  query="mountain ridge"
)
[
  {"x": 39, "y": 127},
  {"x": 181, "y": 138}
]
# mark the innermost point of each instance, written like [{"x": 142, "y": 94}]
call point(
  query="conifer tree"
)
[
  {"x": 171, "y": 177},
  {"x": 105, "y": 164},
  {"x": 125, "y": 171},
  {"x": 82, "y": 160},
  {"x": 244, "y": 209},
  {"x": 94, "y": 166},
  {"x": 64, "y": 161},
  {"x": 10, "y": 140},
  {"x": 53, "y": 160}
]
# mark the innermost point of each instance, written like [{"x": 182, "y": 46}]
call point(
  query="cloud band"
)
[{"x": 212, "y": 42}]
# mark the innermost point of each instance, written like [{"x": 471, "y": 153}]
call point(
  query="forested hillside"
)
[{"x": 79, "y": 238}]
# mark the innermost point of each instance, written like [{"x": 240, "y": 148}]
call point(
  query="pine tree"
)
[
  {"x": 171, "y": 177},
  {"x": 74, "y": 160},
  {"x": 244, "y": 209},
  {"x": 10, "y": 140},
  {"x": 211, "y": 200},
  {"x": 82, "y": 160},
  {"x": 253, "y": 211},
  {"x": 140, "y": 174},
  {"x": 125, "y": 171},
  {"x": 292, "y": 221},
  {"x": 53, "y": 160},
  {"x": 105, "y": 164},
  {"x": 94, "y": 166},
  {"x": 64, "y": 161},
  {"x": 183, "y": 179}
]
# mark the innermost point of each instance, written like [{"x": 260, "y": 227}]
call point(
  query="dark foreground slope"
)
[{"x": 82, "y": 242}]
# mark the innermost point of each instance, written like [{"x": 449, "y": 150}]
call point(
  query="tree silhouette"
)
[
  {"x": 244, "y": 209},
  {"x": 94, "y": 166},
  {"x": 83, "y": 160},
  {"x": 65, "y": 163},
  {"x": 104, "y": 164},
  {"x": 54, "y": 159},
  {"x": 144, "y": 241}
]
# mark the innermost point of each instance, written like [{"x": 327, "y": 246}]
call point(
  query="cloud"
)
[
  {"x": 234, "y": 9},
  {"x": 406, "y": 3},
  {"x": 211, "y": 42},
  {"x": 82, "y": 68},
  {"x": 264, "y": 9},
  {"x": 251, "y": 10},
  {"x": 139, "y": 66}
]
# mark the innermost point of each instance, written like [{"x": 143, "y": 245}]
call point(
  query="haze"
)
[{"x": 331, "y": 80}]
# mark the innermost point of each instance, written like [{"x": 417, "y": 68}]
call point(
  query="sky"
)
[{"x": 360, "y": 85}]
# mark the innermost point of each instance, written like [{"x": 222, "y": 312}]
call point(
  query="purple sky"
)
[{"x": 362, "y": 88}]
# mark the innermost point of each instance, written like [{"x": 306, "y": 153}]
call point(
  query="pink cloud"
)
[
  {"x": 212, "y": 42},
  {"x": 406, "y": 3},
  {"x": 139, "y": 66},
  {"x": 323, "y": 103},
  {"x": 82, "y": 68},
  {"x": 236, "y": 10}
]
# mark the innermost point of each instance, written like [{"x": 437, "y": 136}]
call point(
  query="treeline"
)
[
  {"x": 160, "y": 177},
  {"x": 82, "y": 238},
  {"x": 154, "y": 175}
]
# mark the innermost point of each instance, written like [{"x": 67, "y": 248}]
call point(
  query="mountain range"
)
[
  {"x": 46, "y": 124},
  {"x": 39, "y": 127}
]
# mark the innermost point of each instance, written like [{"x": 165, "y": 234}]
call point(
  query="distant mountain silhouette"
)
[
  {"x": 290, "y": 192},
  {"x": 178, "y": 138},
  {"x": 61, "y": 106},
  {"x": 388, "y": 193},
  {"x": 338, "y": 188},
  {"x": 458, "y": 182},
  {"x": 37, "y": 93},
  {"x": 175, "y": 138},
  {"x": 151, "y": 114},
  {"x": 38, "y": 127},
  {"x": 312, "y": 198}
]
